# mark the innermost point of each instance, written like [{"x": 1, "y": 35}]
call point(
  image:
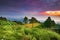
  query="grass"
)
[
  {"x": 13, "y": 31},
  {"x": 30, "y": 25}
]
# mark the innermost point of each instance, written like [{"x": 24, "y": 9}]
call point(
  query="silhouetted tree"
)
[
  {"x": 33, "y": 20},
  {"x": 47, "y": 23},
  {"x": 25, "y": 20}
]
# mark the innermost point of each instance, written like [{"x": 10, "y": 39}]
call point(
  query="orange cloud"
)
[{"x": 51, "y": 13}]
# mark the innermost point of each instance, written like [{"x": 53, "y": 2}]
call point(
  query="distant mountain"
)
[{"x": 16, "y": 19}]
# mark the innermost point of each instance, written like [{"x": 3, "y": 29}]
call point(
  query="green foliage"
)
[
  {"x": 3, "y": 18},
  {"x": 13, "y": 31},
  {"x": 53, "y": 23},
  {"x": 33, "y": 20},
  {"x": 25, "y": 20},
  {"x": 57, "y": 26},
  {"x": 18, "y": 22},
  {"x": 49, "y": 23},
  {"x": 6, "y": 23}
]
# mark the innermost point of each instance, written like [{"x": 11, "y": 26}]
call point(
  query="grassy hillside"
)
[{"x": 13, "y": 31}]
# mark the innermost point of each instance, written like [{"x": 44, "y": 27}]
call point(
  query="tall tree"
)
[
  {"x": 47, "y": 23},
  {"x": 33, "y": 20},
  {"x": 25, "y": 20}
]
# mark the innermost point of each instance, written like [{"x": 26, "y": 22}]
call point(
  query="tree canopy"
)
[
  {"x": 25, "y": 20},
  {"x": 48, "y": 23}
]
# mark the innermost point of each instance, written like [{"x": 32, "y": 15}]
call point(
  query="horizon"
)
[{"x": 41, "y": 19}]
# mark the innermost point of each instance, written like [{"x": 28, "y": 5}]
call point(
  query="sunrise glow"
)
[{"x": 53, "y": 13}]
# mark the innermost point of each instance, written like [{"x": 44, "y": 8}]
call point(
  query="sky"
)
[{"x": 31, "y": 8}]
